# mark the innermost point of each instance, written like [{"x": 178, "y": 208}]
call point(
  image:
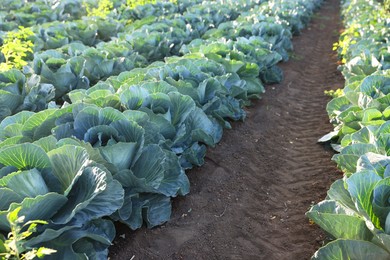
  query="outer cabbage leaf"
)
[{"x": 351, "y": 249}]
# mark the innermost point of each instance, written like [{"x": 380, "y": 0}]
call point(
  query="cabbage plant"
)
[
  {"x": 65, "y": 188},
  {"x": 356, "y": 212},
  {"x": 17, "y": 93},
  {"x": 149, "y": 173}
]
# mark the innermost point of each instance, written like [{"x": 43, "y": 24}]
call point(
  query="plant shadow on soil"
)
[{"x": 249, "y": 199}]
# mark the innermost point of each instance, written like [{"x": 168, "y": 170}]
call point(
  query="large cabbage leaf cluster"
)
[
  {"x": 19, "y": 93},
  {"x": 59, "y": 183},
  {"x": 145, "y": 168},
  {"x": 88, "y": 30}
]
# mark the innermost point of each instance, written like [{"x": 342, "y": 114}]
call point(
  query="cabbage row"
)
[
  {"x": 75, "y": 66},
  {"x": 90, "y": 30},
  {"x": 356, "y": 210},
  {"x": 14, "y": 13},
  {"x": 118, "y": 150}
]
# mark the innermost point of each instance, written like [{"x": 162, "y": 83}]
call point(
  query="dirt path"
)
[{"x": 248, "y": 201}]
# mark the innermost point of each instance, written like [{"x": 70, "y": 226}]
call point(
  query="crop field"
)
[{"x": 194, "y": 129}]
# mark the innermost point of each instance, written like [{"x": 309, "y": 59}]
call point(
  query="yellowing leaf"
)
[{"x": 42, "y": 251}]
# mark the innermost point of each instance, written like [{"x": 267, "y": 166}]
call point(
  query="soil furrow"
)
[{"x": 249, "y": 199}]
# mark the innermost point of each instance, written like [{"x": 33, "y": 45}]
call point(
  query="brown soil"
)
[{"x": 249, "y": 199}]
